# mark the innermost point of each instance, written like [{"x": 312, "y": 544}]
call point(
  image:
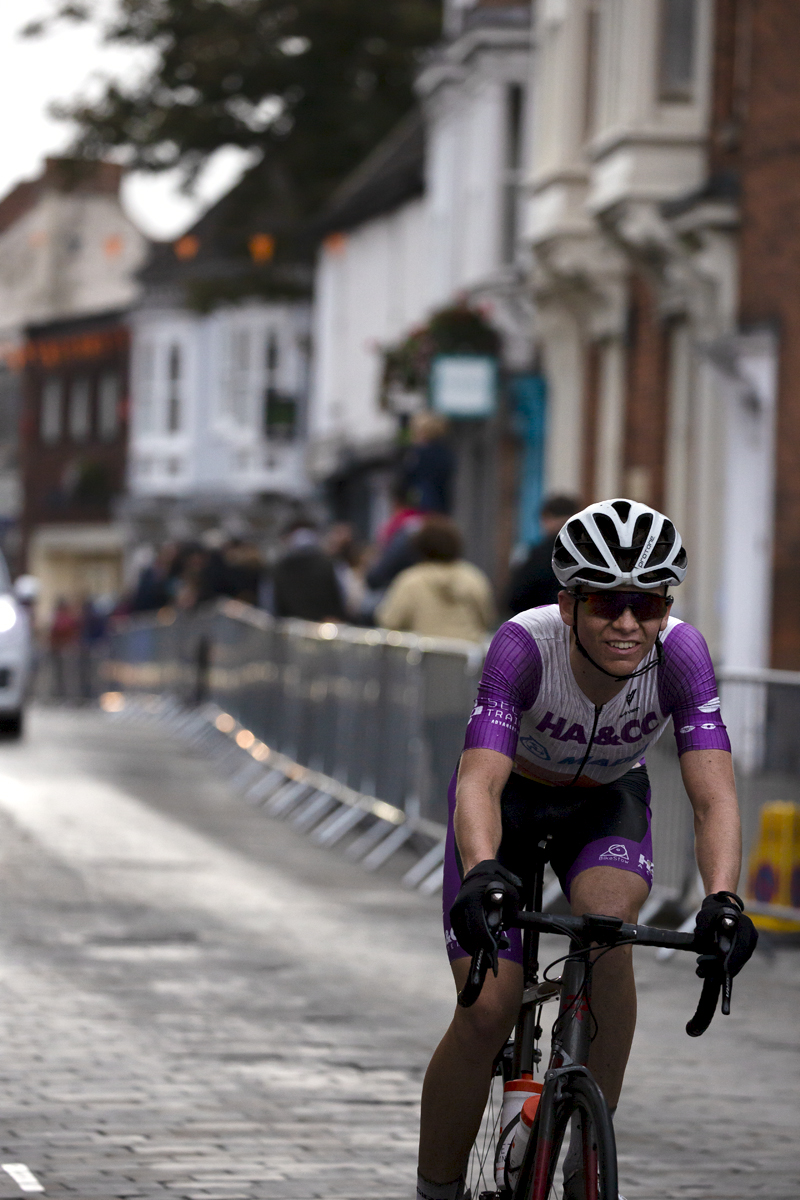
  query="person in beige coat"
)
[{"x": 442, "y": 596}]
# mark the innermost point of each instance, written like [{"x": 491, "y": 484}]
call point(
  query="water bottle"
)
[
  {"x": 516, "y": 1094},
  {"x": 522, "y": 1135}
]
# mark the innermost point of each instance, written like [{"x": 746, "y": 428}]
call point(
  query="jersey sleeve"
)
[
  {"x": 687, "y": 690},
  {"x": 512, "y": 676}
]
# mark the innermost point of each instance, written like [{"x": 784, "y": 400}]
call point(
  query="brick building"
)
[
  {"x": 68, "y": 258},
  {"x": 754, "y": 141},
  {"x": 73, "y": 435}
]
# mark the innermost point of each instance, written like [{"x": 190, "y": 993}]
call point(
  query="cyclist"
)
[{"x": 572, "y": 695}]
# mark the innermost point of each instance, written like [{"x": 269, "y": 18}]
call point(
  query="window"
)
[
  {"x": 677, "y": 50},
  {"x": 143, "y": 396},
  {"x": 174, "y": 389},
  {"x": 108, "y": 406},
  {"x": 515, "y": 105},
  {"x": 240, "y": 375},
  {"x": 280, "y": 410},
  {"x": 51, "y": 412},
  {"x": 79, "y": 409}
]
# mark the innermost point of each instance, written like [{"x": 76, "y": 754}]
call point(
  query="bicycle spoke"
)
[{"x": 480, "y": 1172}]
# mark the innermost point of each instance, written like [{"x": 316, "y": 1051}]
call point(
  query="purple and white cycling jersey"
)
[{"x": 530, "y": 707}]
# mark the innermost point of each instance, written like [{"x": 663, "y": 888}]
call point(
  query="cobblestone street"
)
[{"x": 197, "y": 1002}]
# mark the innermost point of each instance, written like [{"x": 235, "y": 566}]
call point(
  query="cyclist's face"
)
[{"x": 621, "y": 645}]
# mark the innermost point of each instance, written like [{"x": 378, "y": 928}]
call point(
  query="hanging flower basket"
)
[{"x": 457, "y": 329}]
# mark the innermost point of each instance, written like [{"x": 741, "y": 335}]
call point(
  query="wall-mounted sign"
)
[{"x": 464, "y": 385}]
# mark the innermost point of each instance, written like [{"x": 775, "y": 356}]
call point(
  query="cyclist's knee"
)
[
  {"x": 608, "y": 890},
  {"x": 486, "y": 1025},
  {"x": 489, "y": 1021}
]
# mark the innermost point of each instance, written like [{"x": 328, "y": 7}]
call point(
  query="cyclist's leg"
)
[
  {"x": 460, "y": 1073},
  {"x": 615, "y": 829},
  {"x": 459, "y": 1076},
  {"x": 618, "y": 894},
  {"x": 611, "y": 873}
]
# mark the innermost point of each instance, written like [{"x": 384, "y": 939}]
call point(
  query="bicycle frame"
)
[{"x": 568, "y": 1085}]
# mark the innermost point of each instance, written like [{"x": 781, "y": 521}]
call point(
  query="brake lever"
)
[
  {"x": 725, "y": 942},
  {"x": 483, "y": 959},
  {"x": 714, "y": 983}
]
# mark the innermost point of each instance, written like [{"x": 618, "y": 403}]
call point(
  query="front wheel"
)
[{"x": 565, "y": 1094}]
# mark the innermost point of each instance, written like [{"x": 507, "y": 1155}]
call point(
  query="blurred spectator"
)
[
  {"x": 65, "y": 628},
  {"x": 533, "y": 582},
  {"x": 347, "y": 556},
  {"x": 304, "y": 582},
  {"x": 242, "y": 572},
  {"x": 156, "y": 584},
  {"x": 397, "y": 550},
  {"x": 95, "y": 612},
  {"x": 428, "y": 464},
  {"x": 191, "y": 575},
  {"x": 442, "y": 596}
]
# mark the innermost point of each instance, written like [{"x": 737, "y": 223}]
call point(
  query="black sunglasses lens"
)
[{"x": 611, "y": 605}]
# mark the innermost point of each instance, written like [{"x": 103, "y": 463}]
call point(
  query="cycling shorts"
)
[{"x": 606, "y": 826}]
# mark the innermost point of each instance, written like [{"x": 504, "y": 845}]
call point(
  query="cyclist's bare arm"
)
[
  {"x": 482, "y": 776},
  {"x": 709, "y": 782}
]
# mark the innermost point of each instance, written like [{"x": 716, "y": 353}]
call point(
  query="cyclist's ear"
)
[{"x": 566, "y": 606}]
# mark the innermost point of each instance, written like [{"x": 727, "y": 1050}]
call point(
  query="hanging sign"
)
[{"x": 464, "y": 385}]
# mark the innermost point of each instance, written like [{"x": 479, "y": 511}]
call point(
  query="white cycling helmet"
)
[{"x": 617, "y": 542}]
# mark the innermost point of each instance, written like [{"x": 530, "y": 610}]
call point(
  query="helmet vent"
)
[
  {"x": 562, "y": 556},
  {"x": 584, "y": 544},
  {"x": 660, "y": 575},
  {"x": 592, "y": 576},
  {"x": 641, "y": 529},
  {"x": 623, "y": 508}
]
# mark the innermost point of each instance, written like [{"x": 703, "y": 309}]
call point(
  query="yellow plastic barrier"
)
[{"x": 774, "y": 869}]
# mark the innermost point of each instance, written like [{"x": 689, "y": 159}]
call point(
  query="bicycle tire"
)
[{"x": 579, "y": 1093}]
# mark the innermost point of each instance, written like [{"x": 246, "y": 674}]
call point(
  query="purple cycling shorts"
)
[{"x": 606, "y": 826}]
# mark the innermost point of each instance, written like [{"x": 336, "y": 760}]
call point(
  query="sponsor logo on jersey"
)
[
  {"x": 476, "y": 712},
  {"x": 535, "y": 748},
  {"x": 617, "y": 852},
  {"x": 709, "y": 706},
  {"x": 632, "y": 731},
  {"x": 648, "y": 866}
]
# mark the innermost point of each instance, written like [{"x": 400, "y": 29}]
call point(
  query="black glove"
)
[
  {"x": 742, "y": 937},
  {"x": 468, "y": 915}
]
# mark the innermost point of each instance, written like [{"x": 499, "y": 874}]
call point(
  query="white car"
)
[{"x": 16, "y": 656}]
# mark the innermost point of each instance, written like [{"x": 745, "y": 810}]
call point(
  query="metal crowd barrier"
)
[
  {"x": 381, "y": 714},
  {"x": 375, "y": 718}
]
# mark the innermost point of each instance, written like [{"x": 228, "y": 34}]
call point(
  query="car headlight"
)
[{"x": 8, "y": 614}]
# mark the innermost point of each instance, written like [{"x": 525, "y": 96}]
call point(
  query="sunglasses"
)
[{"x": 611, "y": 605}]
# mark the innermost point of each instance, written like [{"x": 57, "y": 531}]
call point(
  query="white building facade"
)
[
  {"x": 218, "y": 402},
  {"x": 431, "y": 219}
]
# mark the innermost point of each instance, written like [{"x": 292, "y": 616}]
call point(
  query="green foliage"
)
[{"x": 310, "y": 86}]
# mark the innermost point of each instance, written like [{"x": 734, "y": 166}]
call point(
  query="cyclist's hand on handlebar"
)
[
  {"x": 468, "y": 914},
  {"x": 722, "y": 926}
]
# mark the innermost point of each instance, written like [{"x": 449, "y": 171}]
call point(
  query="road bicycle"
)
[{"x": 568, "y": 1088}]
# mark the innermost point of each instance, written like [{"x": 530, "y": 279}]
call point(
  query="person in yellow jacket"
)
[{"x": 442, "y": 596}]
